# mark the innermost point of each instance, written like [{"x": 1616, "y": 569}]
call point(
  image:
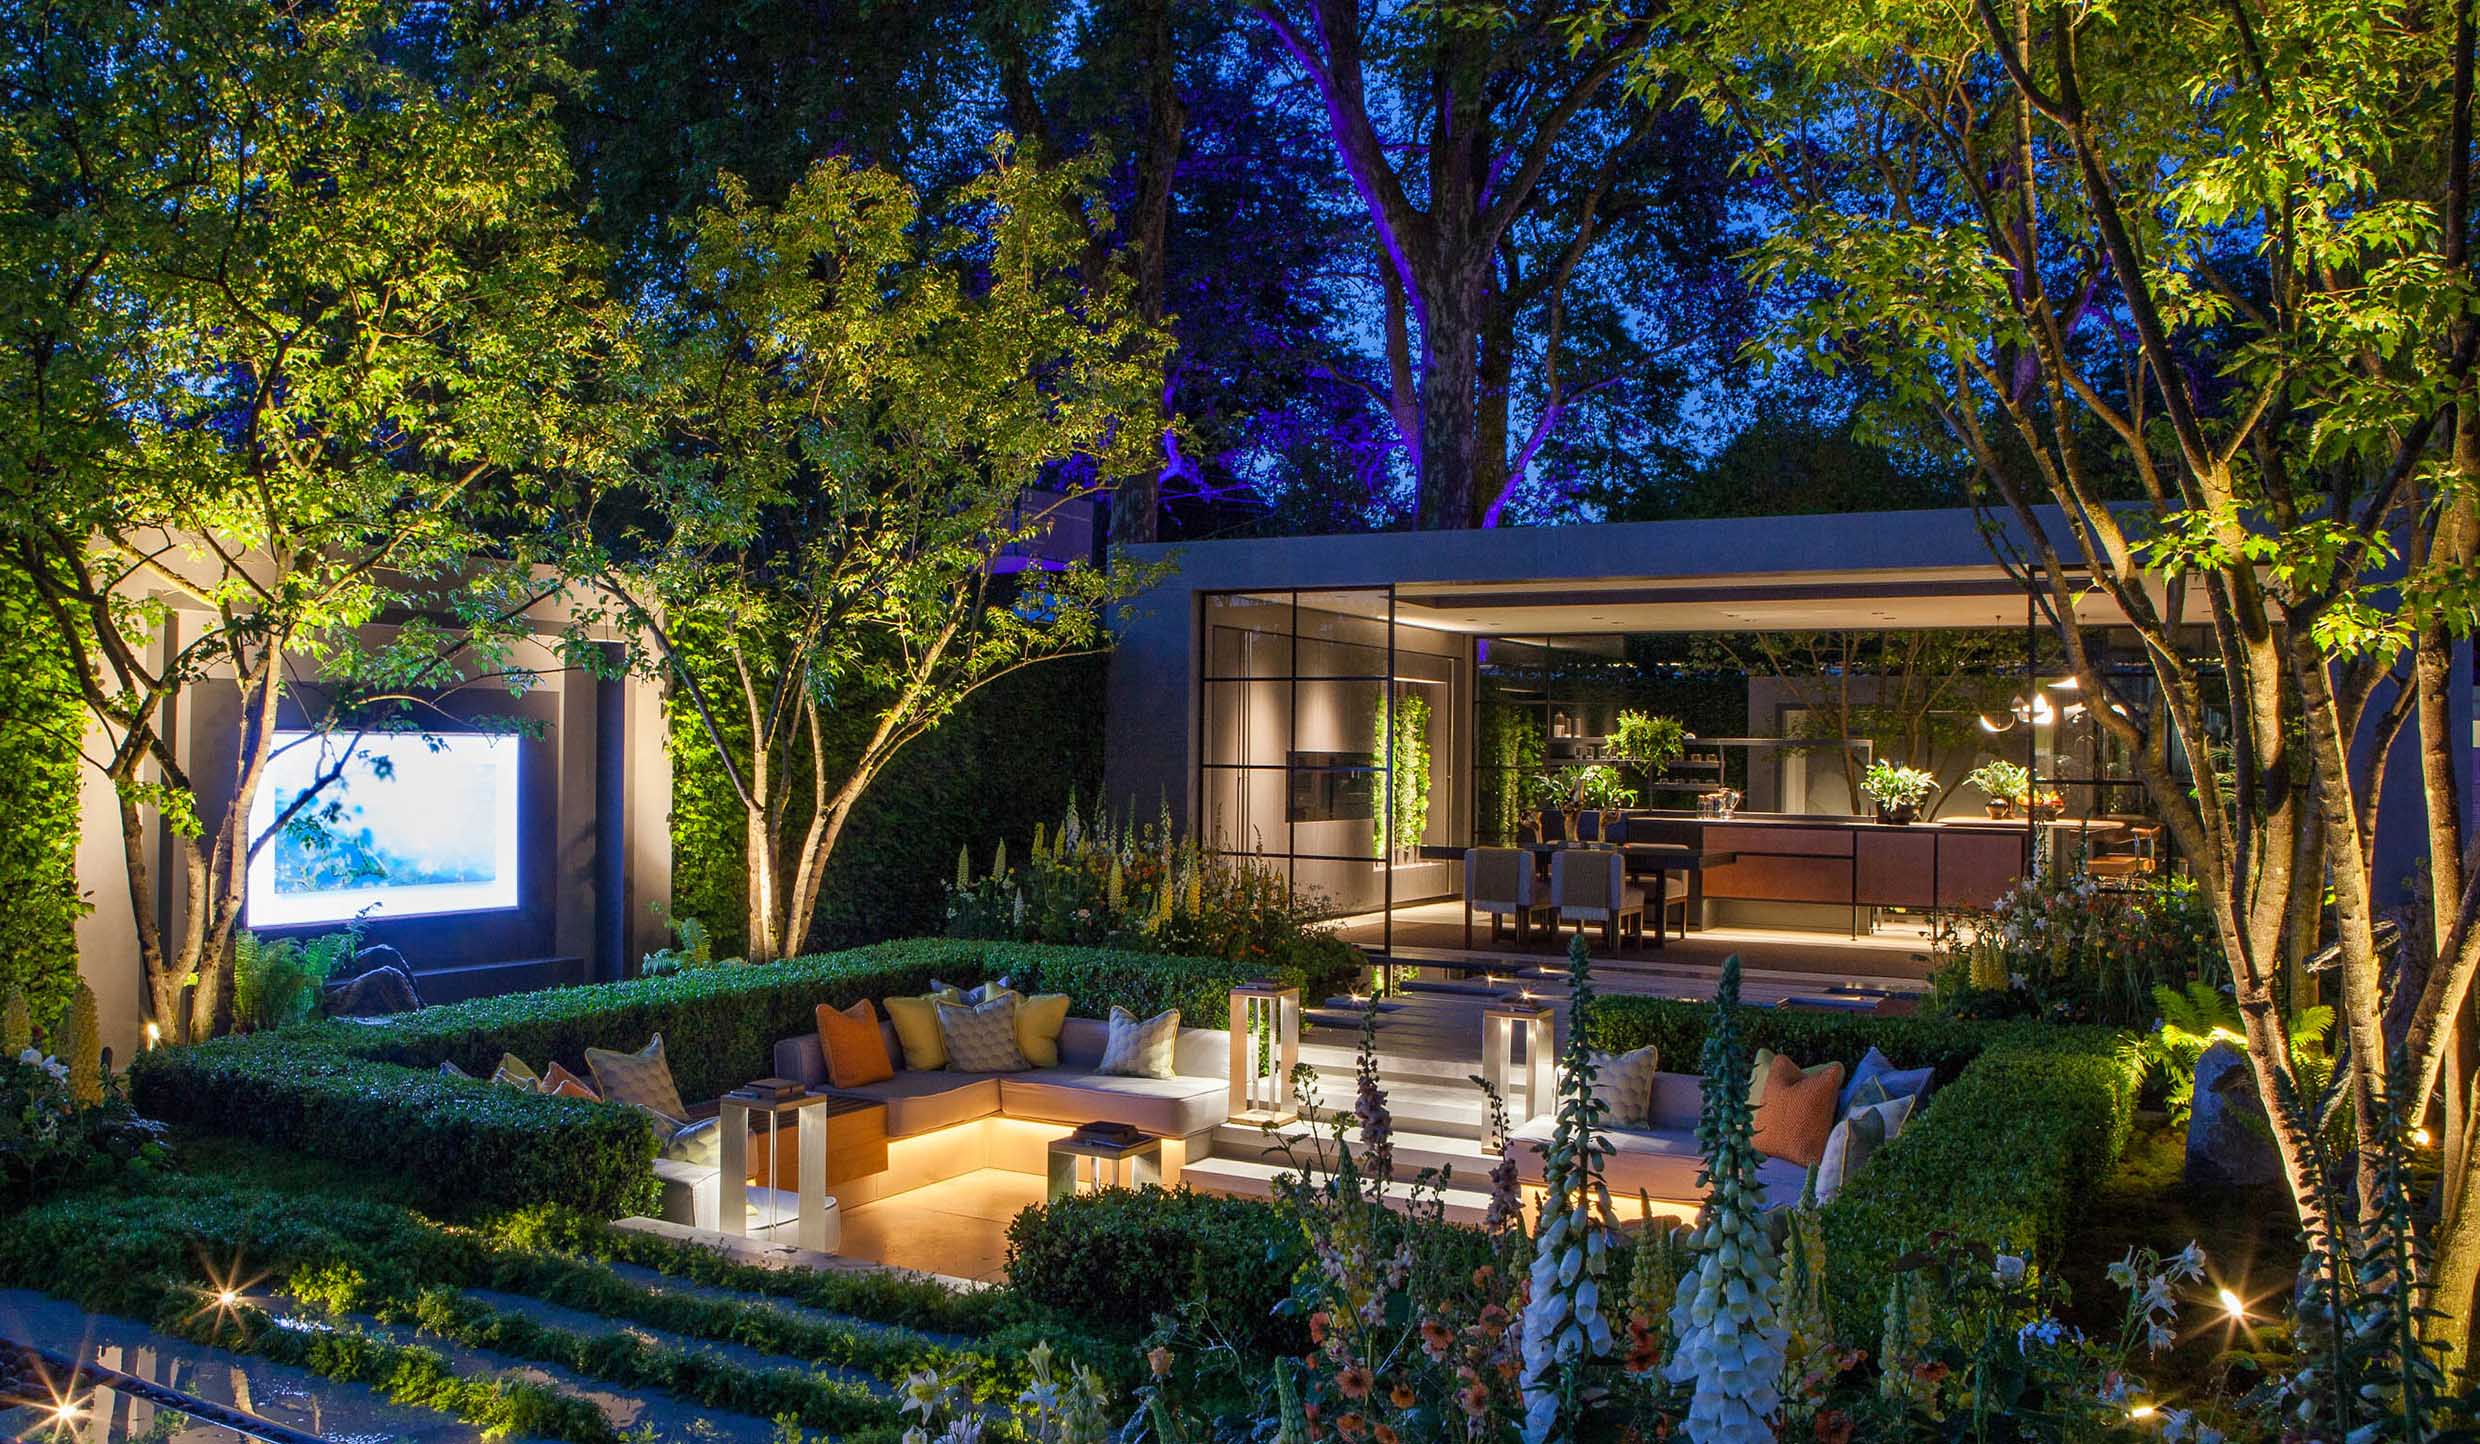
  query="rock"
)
[
  {"x": 376, "y": 993},
  {"x": 2229, "y": 1140}
]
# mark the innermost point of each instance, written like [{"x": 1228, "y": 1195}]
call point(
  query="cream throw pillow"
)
[
  {"x": 1140, "y": 1049},
  {"x": 1624, "y": 1084}
]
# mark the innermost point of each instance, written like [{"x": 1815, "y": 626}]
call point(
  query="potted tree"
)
[
  {"x": 1897, "y": 790},
  {"x": 2006, "y": 784}
]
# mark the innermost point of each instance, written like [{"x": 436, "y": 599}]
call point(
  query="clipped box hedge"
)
[
  {"x": 371, "y": 1092},
  {"x": 2025, "y": 1122}
]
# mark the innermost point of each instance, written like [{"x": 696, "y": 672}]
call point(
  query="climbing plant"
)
[
  {"x": 1407, "y": 772},
  {"x": 40, "y": 723}
]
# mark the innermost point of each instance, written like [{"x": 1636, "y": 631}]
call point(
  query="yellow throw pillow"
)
[
  {"x": 917, "y": 1027},
  {"x": 1039, "y": 1020}
]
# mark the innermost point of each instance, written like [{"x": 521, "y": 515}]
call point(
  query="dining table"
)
[{"x": 1656, "y": 860}]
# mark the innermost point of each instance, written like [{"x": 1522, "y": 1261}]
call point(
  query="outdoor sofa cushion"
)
[
  {"x": 1659, "y": 1160},
  {"x": 1163, "y": 1107},
  {"x": 923, "y": 1100}
]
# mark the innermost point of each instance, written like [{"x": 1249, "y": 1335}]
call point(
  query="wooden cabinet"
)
[{"x": 856, "y": 1146}]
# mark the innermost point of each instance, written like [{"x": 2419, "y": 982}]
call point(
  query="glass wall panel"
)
[
  {"x": 1248, "y": 635},
  {"x": 1343, "y": 634}
]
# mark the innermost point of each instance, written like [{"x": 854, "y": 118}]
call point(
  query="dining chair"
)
[
  {"x": 1501, "y": 881},
  {"x": 1590, "y": 885}
]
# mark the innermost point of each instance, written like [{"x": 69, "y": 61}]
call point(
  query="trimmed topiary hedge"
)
[
  {"x": 2026, "y": 1121},
  {"x": 371, "y": 1092},
  {"x": 1112, "y": 1260},
  {"x": 461, "y": 1143}
]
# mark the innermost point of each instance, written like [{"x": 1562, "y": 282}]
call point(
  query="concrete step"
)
[
  {"x": 1450, "y": 1110},
  {"x": 1247, "y": 1178}
]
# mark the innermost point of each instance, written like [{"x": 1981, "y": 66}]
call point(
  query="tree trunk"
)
[
  {"x": 1136, "y": 508},
  {"x": 758, "y": 851},
  {"x": 1450, "y": 386}
]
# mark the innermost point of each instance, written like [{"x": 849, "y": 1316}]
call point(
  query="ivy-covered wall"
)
[
  {"x": 41, "y": 721},
  {"x": 1005, "y": 760}
]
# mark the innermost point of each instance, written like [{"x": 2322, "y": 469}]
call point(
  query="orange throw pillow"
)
[
  {"x": 1797, "y": 1113},
  {"x": 856, "y": 1051},
  {"x": 560, "y": 1083}
]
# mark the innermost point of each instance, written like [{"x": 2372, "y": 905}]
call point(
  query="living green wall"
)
[
  {"x": 41, "y": 720},
  {"x": 1005, "y": 760}
]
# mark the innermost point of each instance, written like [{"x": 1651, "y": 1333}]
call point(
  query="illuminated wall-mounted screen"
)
[{"x": 412, "y": 826}]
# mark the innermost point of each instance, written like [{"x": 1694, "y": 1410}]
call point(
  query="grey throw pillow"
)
[{"x": 982, "y": 1039}]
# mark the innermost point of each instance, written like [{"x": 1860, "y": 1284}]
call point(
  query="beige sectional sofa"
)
[
  {"x": 941, "y": 1122},
  {"x": 1660, "y": 1159}
]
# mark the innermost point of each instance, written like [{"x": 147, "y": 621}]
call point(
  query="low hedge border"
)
[
  {"x": 2026, "y": 1121},
  {"x": 370, "y": 1092}
]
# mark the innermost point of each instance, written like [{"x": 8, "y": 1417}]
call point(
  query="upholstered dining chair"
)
[
  {"x": 1590, "y": 885},
  {"x": 1501, "y": 881}
]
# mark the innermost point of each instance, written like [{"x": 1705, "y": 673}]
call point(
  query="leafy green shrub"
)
[
  {"x": 370, "y": 1092},
  {"x": 41, "y": 719},
  {"x": 465, "y": 1144},
  {"x": 2059, "y": 947},
  {"x": 1145, "y": 889},
  {"x": 279, "y": 981},
  {"x": 2006, "y": 1156},
  {"x": 50, "y": 1139},
  {"x": 1627, "y": 1021},
  {"x": 1112, "y": 1260}
]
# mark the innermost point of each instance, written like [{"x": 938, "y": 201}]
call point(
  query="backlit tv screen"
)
[{"x": 410, "y": 826}]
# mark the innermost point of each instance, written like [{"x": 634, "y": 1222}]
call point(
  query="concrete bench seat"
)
[
  {"x": 1659, "y": 1160},
  {"x": 919, "y": 1101}
]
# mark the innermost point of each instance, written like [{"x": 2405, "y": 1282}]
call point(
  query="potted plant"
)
[
  {"x": 1602, "y": 787},
  {"x": 1549, "y": 792},
  {"x": 2004, "y": 783},
  {"x": 1652, "y": 743},
  {"x": 2048, "y": 803},
  {"x": 1897, "y": 790}
]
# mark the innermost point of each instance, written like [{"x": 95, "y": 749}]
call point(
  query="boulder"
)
[
  {"x": 2229, "y": 1140},
  {"x": 375, "y": 993}
]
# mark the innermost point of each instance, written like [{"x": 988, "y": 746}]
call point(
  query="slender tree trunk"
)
[{"x": 1136, "y": 508}]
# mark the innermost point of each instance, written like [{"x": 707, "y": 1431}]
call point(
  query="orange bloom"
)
[
  {"x": 1436, "y": 1339},
  {"x": 1401, "y": 1396},
  {"x": 1355, "y": 1382},
  {"x": 1351, "y": 1426},
  {"x": 1833, "y": 1427},
  {"x": 1158, "y": 1359},
  {"x": 1475, "y": 1399},
  {"x": 1383, "y": 1435},
  {"x": 1317, "y": 1327}
]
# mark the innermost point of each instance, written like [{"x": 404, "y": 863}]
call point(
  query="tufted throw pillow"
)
[
  {"x": 1798, "y": 1111},
  {"x": 855, "y": 1050},
  {"x": 642, "y": 1079},
  {"x": 1039, "y": 1021},
  {"x": 1624, "y": 1084},
  {"x": 700, "y": 1143},
  {"x": 982, "y": 1039},
  {"x": 1140, "y": 1049},
  {"x": 917, "y": 1027}
]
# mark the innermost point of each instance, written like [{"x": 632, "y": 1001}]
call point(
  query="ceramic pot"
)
[{"x": 1901, "y": 814}]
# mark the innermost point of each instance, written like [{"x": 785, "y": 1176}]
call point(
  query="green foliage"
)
[
  {"x": 1403, "y": 730},
  {"x": 41, "y": 720},
  {"x": 1650, "y": 742},
  {"x": 1140, "y": 890},
  {"x": 2058, "y": 946},
  {"x": 16, "y": 1025},
  {"x": 1891, "y": 784},
  {"x": 2004, "y": 1157},
  {"x": 849, "y": 401},
  {"x": 52, "y": 1139},
  {"x": 371, "y": 1092},
  {"x": 964, "y": 785},
  {"x": 1113, "y": 1260},
  {"x": 2199, "y": 1015},
  {"x": 281, "y": 981},
  {"x": 1507, "y": 754},
  {"x": 2025, "y": 1119},
  {"x": 464, "y": 1143},
  {"x": 2002, "y": 781},
  {"x": 693, "y": 947},
  {"x": 352, "y": 382},
  {"x": 1600, "y": 785}
]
